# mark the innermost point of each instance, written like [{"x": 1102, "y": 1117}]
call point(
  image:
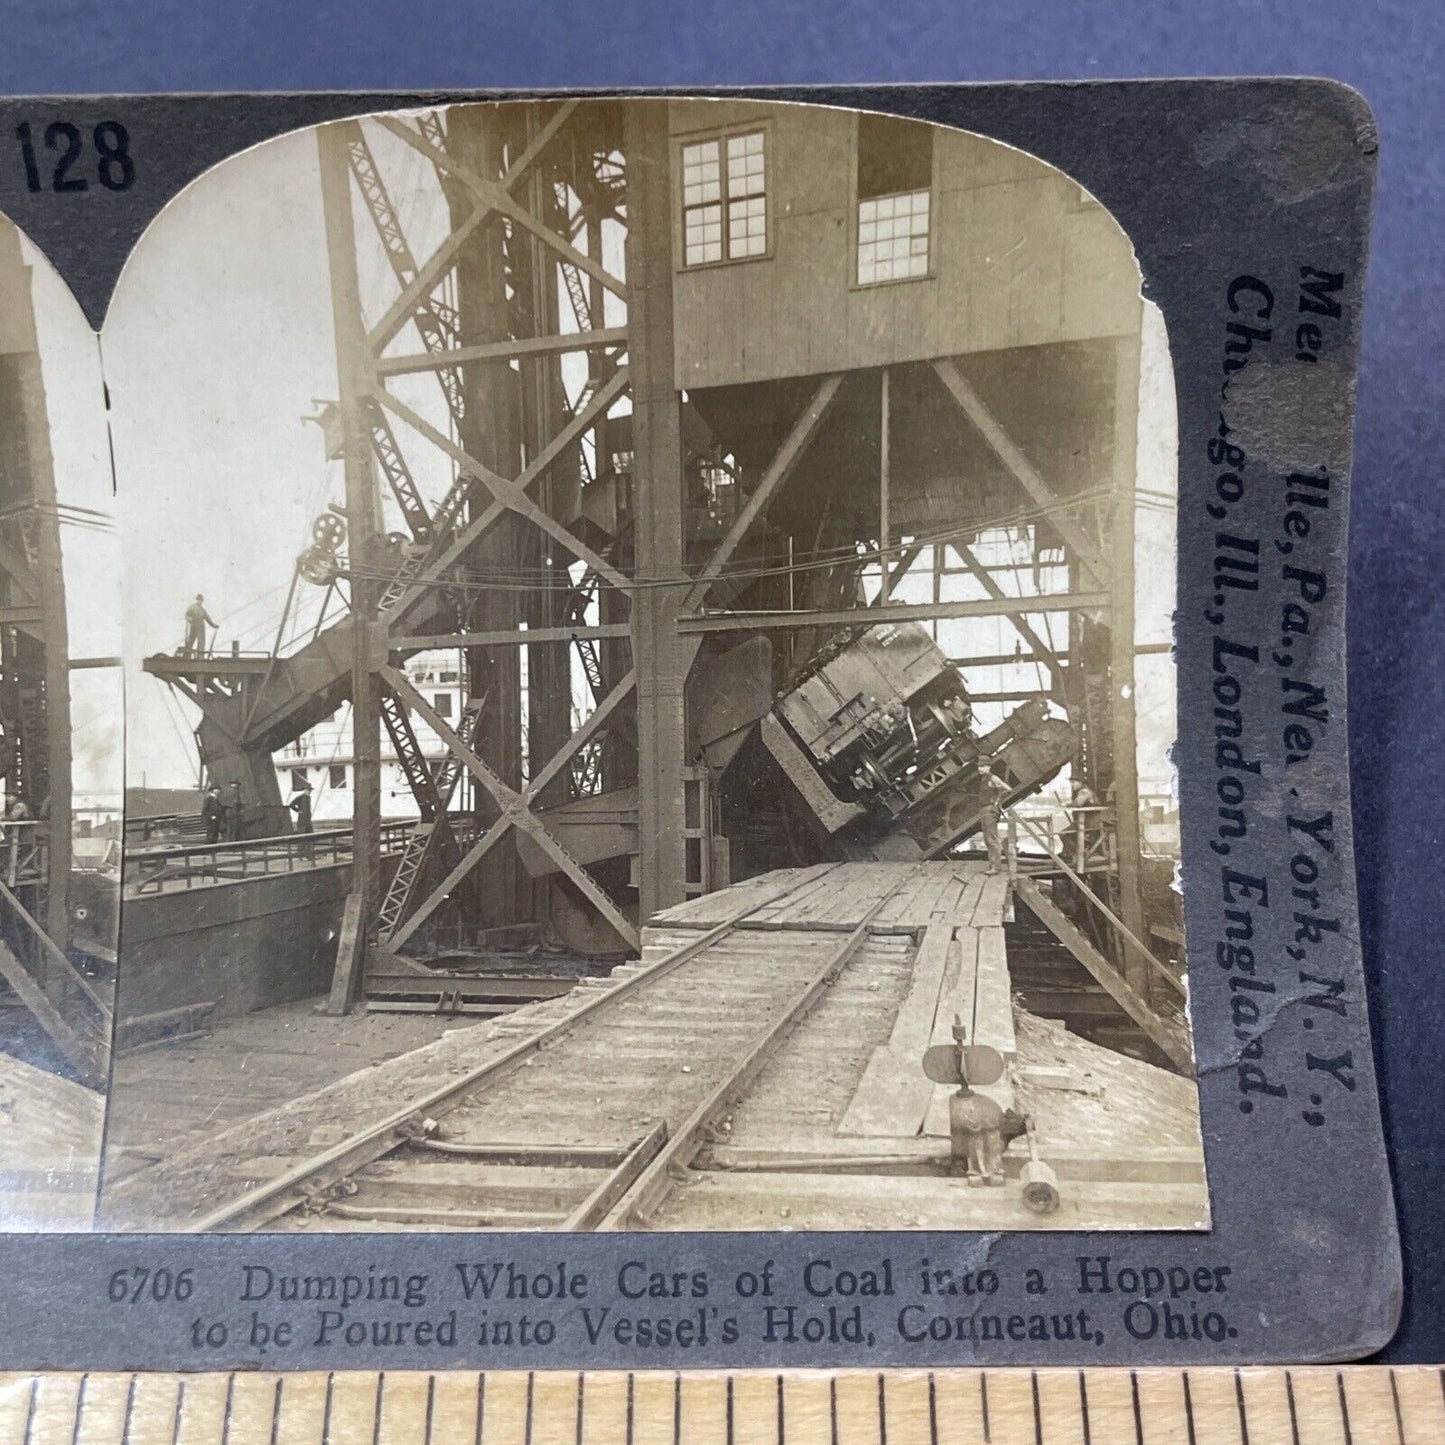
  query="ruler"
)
[{"x": 1358, "y": 1405}]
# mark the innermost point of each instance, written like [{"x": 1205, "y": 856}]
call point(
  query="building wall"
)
[{"x": 1019, "y": 256}]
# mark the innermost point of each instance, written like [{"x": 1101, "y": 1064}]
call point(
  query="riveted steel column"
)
[
  {"x": 658, "y": 508},
  {"x": 355, "y": 377}
]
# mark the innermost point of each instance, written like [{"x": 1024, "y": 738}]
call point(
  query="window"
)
[
  {"x": 336, "y": 775},
  {"x": 895, "y": 182},
  {"x": 442, "y": 703},
  {"x": 724, "y": 199}
]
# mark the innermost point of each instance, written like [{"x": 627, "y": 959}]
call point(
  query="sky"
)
[{"x": 219, "y": 343}]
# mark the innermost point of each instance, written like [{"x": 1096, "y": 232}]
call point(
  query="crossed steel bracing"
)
[
  {"x": 444, "y": 538},
  {"x": 533, "y": 198}
]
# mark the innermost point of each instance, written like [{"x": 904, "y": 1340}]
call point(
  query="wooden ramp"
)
[
  {"x": 837, "y": 897},
  {"x": 956, "y": 910},
  {"x": 843, "y": 1130}
]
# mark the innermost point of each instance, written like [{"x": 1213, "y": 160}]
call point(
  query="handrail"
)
[
  {"x": 1114, "y": 920},
  {"x": 204, "y": 864}
]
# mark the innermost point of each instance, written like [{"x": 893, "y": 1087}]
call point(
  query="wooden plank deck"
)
[{"x": 959, "y": 971}]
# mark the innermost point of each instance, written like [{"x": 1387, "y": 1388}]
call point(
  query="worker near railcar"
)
[
  {"x": 995, "y": 790},
  {"x": 235, "y": 812},
  {"x": 300, "y": 803},
  {"x": 213, "y": 814},
  {"x": 197, "y": 620}
]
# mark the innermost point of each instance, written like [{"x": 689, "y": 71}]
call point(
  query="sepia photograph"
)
[
  {"x": 61, "y": 762},
  {"x": 649, "y": 691}
]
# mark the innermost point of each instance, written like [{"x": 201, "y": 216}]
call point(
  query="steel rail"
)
[
  {"x": 654, "y": 1183},
  {"x": 292, "y": 1188}
]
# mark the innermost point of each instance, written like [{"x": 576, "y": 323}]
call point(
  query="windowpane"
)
[
  {"x": 709, "y": 190},
  {"x": 747, "y": 227},
  {"x": 746, "y": 174},
  {"x": 702, "y": 235},
  {"x": 892, "y": 237},
  {"x": 701, "y": 173}
]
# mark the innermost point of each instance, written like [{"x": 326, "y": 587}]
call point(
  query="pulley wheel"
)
[
  {"x": 329, "y": 531},
  {"x": 318, "y": 565}
]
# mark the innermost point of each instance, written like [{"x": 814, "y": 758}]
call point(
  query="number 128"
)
[{"x": 115, "y": 169}]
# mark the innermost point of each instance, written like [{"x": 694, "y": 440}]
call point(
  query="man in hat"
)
[
  {"x": 300, "y": 803},
  {"x": 197, "y": 620},
  {"x": 235, "y": 812},
  {"x": 213, "y": 812}
]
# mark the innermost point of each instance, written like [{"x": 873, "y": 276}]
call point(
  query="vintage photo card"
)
[
  {"x": 876, "y": 922},
  {"x": 750, "y": 680}
]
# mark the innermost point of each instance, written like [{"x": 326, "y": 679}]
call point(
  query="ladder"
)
[
  {"x": 433, "y": 835},
  {"x": 436, "y": 321},
  {"x": 398, "y": 474},
  {"x": 411, "y": 564},
  {"x": 398, "y": 894},
  {"x": 409, "y": 754}
]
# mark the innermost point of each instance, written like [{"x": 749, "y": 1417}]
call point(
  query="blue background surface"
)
[{"x": 1391, "y": 51}]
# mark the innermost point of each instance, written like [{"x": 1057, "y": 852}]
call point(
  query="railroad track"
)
[{"x": 582, "y": 1124}]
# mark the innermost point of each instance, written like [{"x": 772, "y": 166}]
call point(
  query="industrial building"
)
[{"x": 781, "y": 804}]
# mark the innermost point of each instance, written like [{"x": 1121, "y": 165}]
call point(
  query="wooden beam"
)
[
  {"x": 404, "y": 307},
  {"x": 59, "y": 960},
  {"x": 902, "y": 612},
  {"x": 898, "y": 572},
  {"x": 363, "y": 511},
  {"x": 884, "y": 471},
  {"x": 776, "y": 474},
  {"x": 15, "y": 565},
  {"x": 1002, "y": 446},
  {"x": 426, "y": 280},
  {"x": 539, "y": 142},
  {"x": 1164, "y": 1034},
  {"x": 559, "y": 344},
  {"x": 350, "y": 956},
  {"x": 89, "y": 1063}
]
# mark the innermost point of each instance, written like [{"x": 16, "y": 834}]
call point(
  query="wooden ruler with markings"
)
[{"x": 1353, "y": 1405}]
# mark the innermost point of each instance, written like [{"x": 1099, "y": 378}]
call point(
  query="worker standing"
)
[
  {"x": 995, "y": 789},
  {"x": 197, "y": 620},
  {"x": 235, "y": 813},
  {"x": 300, "y": 803},
  {"x": 213, "y": 814}
]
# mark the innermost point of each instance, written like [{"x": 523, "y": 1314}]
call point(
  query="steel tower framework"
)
[{"x": 559, "y": 244}]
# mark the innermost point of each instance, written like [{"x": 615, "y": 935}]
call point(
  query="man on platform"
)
[
  {"x": 995, "y": 790},
  {"x": 300, "y": 803},
  {"x": 197, "y": 620},
  {"x": 235, "y": 812},
  {"x": 213, "y": 813}
]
